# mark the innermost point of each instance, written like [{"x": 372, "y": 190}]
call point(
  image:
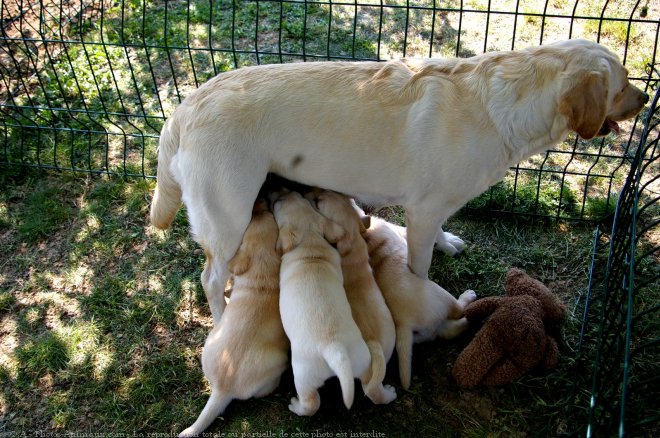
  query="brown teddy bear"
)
[{"x": 515, "y": 337}]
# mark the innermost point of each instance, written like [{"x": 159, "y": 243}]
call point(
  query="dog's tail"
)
[
  {"x": 167, "y": 198},
  {"x": 215, "y": 406},
  {"x": 404, "y": 346},
  {"x": 339, "y": 362},
  {"x": 377, "y": 368}
]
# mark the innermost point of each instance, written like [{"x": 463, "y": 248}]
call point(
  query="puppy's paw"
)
[
  {"x": 467, "y": 297},
  {"x": 382, "y": 394},
  {"x": 450, "y": 244},
  {"x": 299, "y": 409},
  {"x": 190, "y": 432},
  {"x": 389, "y": 394}
]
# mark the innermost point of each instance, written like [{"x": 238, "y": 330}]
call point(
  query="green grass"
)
[{"x": 104, "y": 320}]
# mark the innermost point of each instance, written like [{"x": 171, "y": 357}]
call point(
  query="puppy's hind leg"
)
[
  {"x": 452, "y": 328},
  {"x": 215, "y": 406},
  {"x": 308, "y": 400},
  {"x": 421, "y": 234},
  {"x": 467, "y": 297}
]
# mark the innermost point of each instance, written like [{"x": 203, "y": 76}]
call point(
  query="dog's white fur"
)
[
  {"x": 368, "y": 307},
  {"x": 421, "y": 309},
  {"x": 428, "y": 135},
  {"x": 246, "y": 354},
  {"x": 325, "y": 341}
]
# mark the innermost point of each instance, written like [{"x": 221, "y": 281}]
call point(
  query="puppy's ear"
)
[
  {"x": 332, "y": 231},
  {"x": 365, "y": 223},
  {"x": 585, "y": 103},
  {"x": 240, "y": 263},
  {"x": 287, "y": 239}
]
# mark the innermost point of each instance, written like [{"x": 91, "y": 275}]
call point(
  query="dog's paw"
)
[
  {"x": 190, "y": 432},
  {"x": 389, "y": 394},
  {"x": 298, "y": 408},
  {"x": 382, "y": 394},
  {"x": 450, "y": 244},
  {"x": 467, "y": 297}
]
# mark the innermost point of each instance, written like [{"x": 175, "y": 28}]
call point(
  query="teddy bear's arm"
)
[
  {"x": 505, "y": 371},
  {"x": 476, "y": 360},
  {"x": 551, "y": 356}
]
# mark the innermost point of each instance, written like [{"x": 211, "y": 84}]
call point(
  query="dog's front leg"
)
[{"x": 421, "y": 235}]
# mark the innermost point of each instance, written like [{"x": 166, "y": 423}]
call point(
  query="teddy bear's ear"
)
[
  {"x": 482, "y": 308},
  {"x": 520, "y": 283}
]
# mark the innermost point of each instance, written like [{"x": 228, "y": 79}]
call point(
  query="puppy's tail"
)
[
  {"x": 339, "y": 362},
  {"x": 404, "y": 346},
  {"x": 378, "y": 368},
  {"x": 215, "y": 406},
  {"x": 167, "y": 198}
]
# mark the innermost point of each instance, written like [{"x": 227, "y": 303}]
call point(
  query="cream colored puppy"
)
[
  {"x": 325, "y": 341},
  {"x": 245, "y": 355},
  {"x": 367, "y": 304},
  {"x": 421, "y": 309}
]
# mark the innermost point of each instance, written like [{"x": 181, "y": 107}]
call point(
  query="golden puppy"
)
[
  {"x": 421, "y": 309},
  {"x": 427, "y": 134},
  {"x": 245, "y": 355},
  {"x": 367, "y": 304},
  {"x": 315, "y": 312}
]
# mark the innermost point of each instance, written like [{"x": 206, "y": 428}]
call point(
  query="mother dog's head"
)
[{"x": 595, "y": 91}]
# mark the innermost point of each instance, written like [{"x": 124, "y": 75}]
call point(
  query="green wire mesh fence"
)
[
  {"x": 85, "y": 85},
  {"x": 618, "y": 378}
]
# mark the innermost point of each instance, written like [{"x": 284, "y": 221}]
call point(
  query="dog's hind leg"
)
[
  {"x": 219, "y": 213},
  {"x": 309, "y": 399},
  {"x": 214, "y": 278},
  {"x": 215, "y": 406},
  {"x": 467, "y": 297},
  {"x": 451, "y": 328},
  {"x": 220, "y": 239}
]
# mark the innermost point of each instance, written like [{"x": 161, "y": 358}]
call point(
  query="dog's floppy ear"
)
[
  {"x": 332, "y": 231},
  {"x": 585, "y": 103},
  {"x": 240, "y": 263},
  {"x": 365, "y": 223},
  {"x": 287, "y": 239}
]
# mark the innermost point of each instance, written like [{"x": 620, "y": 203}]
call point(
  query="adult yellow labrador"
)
[{"x": 428, "y": 135}]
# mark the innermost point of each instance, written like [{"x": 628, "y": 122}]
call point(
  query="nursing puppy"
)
[
  {"x": 368, "y": 307},
  {"x": 245, "y": 355},
  {"x": 421, "y": 309},
  {"x": 427, "y": 134},
  {"x": 325, "y": 341}
]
